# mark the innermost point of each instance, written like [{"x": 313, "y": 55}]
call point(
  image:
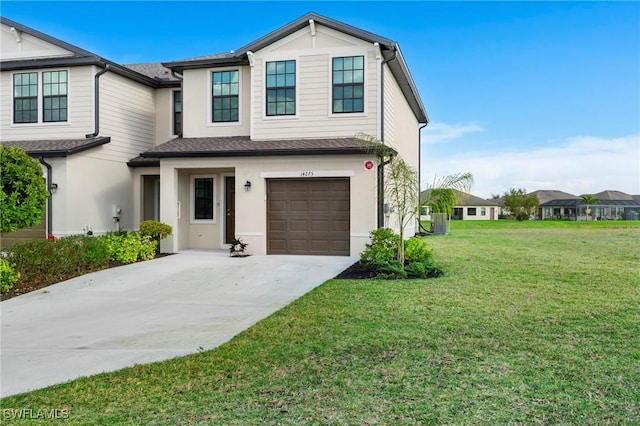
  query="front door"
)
[{"x": 230, "y": 209}]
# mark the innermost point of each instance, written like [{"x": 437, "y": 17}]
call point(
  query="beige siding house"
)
[{"x": 257, "y": 144}]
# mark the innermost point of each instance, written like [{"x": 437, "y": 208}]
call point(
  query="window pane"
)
[
  {"x": 337, "y": 106},
  {"x": 280, "y": 67},
  {"x": 280, "y": 80},
  {"x": 348, "y": 63},
  {"x": 337, "y": 77},
  {"x": 358, "y": 76},
  {"x": 271, "y": 67},
  {"x": 337, "y": 63},
  {"x": 290, "y": 108},
  {"x": 271, "y": 81},
  {"x": 358, "y": 62},
  {"x": 290, "y": 80},
  {"x": 348, "y": 76},
  {"x": 203, "y": 198},
  {"x": 358, "y": 105}
]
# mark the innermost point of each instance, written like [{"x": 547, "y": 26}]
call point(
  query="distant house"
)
[
  {"x": 470, "y": 207},
  {"x": 611, "y": 205}
]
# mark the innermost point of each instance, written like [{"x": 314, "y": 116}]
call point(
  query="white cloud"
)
[
  {"x": 578, "y": 165},
  {"x": 439, "y": 132}
]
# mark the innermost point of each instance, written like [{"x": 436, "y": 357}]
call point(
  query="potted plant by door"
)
[{"x": 238, "y": 248}]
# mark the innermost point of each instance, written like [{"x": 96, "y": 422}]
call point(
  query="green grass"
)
[{"x": 533, "y": 323}]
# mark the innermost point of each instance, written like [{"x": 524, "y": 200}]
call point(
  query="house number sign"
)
[{"x": 306, "y": 174}]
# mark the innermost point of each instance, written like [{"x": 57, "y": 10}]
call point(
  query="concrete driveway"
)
[{"x": 146, "y": 312}]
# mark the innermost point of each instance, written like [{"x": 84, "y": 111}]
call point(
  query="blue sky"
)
[{"x": 522, "y": 94}]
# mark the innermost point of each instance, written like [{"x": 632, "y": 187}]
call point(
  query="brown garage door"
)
[{"x": 308, "y": 216}]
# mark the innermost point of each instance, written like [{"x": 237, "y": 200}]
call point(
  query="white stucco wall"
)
[{"x": 250, "y": 206}]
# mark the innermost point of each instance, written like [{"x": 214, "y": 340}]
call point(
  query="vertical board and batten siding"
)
[
  {"x": 80, "y": 108},
  {"x": 196, "y": 104},
  {"x": 314, "y": 118}
]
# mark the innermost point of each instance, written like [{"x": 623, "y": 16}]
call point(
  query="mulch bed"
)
[{"x": 360, "y": 271}]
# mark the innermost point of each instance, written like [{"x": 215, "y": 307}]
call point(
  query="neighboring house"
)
[
  {"x": 611, "y": 205},
  {"x": 471, "y": 207},
  {"x": 257, "y": 143},
  {"x": 83, "y": 117}
]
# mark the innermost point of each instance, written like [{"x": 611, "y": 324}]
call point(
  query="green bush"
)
[
  {"x": 8, "y": 277},
  {"x": 381, "y": 256},
  {"x": 61, "y": 259},
  {"x": 129, "y": 247},
  {"x": 156, "y": 230},
  {"x": 416, "y": 250},
  {"x": 23, "y": 192},
  {"x": 382, "y": 250}
]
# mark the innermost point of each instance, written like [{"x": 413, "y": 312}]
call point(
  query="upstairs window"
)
[
  {"x": 348, "y": 84},
  {"x": 225, "y": 88},
  {"x": 54, "y": 96},
  {"x": 281, "y": 88},
  {"x": 25, "y": 97},
  {"x": 177, "y": 112}
]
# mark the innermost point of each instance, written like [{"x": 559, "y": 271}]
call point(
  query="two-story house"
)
[
  {"x": 264, "y": 147},
  {"x": 83, "y": 117}
]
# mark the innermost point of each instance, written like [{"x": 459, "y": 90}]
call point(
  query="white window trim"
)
[
  {"x": 192, "y": 197},
  {"x": 365, "y": 112},
  {"x": 210, "y": 122},
  {"x": 264, "y": 88},
  {"x": 40, "y": 121}
]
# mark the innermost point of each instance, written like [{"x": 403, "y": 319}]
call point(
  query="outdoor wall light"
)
[
  {"x": 53, "y": 188},
  {"x": 247, "y": 186}
]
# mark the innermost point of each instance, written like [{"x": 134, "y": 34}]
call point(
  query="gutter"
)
[
  {"x": 420, "y": 227},
  {"x": 49, "y": 199},
  {"x": 96, "y": 97},
  {"x": 382, "y": 162}
]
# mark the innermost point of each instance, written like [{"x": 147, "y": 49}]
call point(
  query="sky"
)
[{"x": 534, "y": 95}]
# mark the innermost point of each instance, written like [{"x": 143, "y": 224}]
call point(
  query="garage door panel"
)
[
  {"x": 315, "y": 213},
  {"x": 318, "y": 206}
]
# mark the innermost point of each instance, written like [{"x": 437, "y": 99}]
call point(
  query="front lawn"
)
[{"x": 532, "y": 323}]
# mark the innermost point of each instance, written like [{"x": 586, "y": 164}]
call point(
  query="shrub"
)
[
  {"x": 381, "y": 256},
  {"x": 129, "y": 247},
  {"x": 56, "y": 260},
  {"x": 155, "y": 229},
  {"x": 382, "y": 250},
  {"x": 416, "y": 250},
  {"x": 8, "y": 277},
  {"x": 23, "y": 192},
  {"x": 238, "y": 248}
]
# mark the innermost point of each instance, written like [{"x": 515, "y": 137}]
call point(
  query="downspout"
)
[
  {"x": 420, "y": 227},
  {"x": 96, "y": 109},
  {"x": 179, "y": 77},
  {"x": 382, "y": 162},
  {"x": 49, "y": 199}
]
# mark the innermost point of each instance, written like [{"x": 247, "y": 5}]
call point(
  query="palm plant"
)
[
  {"x": 444, "y": 193},
  {"x": 588, "y": 199}
]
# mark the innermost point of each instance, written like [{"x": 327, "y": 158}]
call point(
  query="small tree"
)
[
  {"x": 588, "y": 199},
  {"x": 401, "y": 192},
  {"x": 23, "y": 191},
  {"x": 520, "y": 204},
  {"x": 444, "y": 193}
]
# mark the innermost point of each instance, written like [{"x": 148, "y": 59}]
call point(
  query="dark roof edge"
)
[
  {"x": 71, "y": 151},
  {"x": 147, "y": 163},
  {"x": 257, "y": 153},
  {"x": 81, "y": 57}
]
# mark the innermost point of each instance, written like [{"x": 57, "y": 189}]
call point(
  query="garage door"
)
[{"x": 308, "y": 216}]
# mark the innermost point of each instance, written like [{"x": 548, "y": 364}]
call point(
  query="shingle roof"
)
[
  {"x": 613, "y": 195},
  {"x": 143, "y": 162},
  {"x": 244, "y": 146},
  {"x": 154, "y": 70},
  {"x": 545, "y": 195},
  {"x": 57, "y": 147},
  {"x": 467, "y": 199},
  {"x": 579, "y": 202}
]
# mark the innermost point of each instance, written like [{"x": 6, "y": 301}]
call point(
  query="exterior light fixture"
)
[
  {"x": 53, "y": 188},
  {"x": 247, "y": 186}
]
